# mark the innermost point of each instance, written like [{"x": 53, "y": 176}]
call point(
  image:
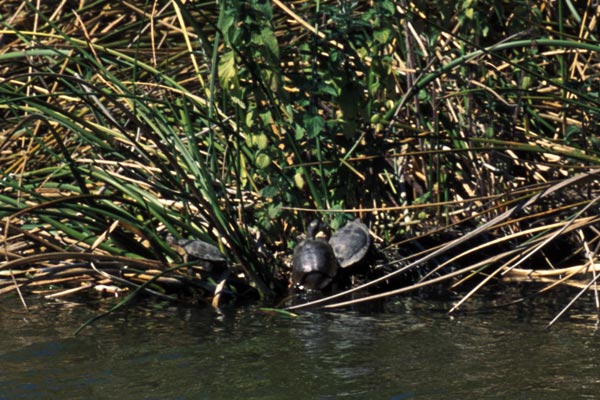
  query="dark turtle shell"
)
[
  {"x": 313, "y": 265},
  {"x": 198, "y": 249},
  {"x": 351, "y": 243}
]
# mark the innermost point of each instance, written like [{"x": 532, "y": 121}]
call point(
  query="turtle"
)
[
  {"x": 351, "y": 243},
  {"x": 314, "y": 265},
  {"x": 198, "y": 250}
]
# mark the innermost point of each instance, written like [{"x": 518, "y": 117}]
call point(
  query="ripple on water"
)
[{"x": 410, "y": 350}]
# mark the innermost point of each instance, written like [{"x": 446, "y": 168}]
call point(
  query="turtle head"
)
[
  {"x": 314, "y": 227},
  {"x": 170, "y": 239}
]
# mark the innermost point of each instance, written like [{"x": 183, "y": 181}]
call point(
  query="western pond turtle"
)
[
  {"x": 351, "y": 243},
  {"x": 198, "y": 250},
  {"x": 313, "y": 264}
]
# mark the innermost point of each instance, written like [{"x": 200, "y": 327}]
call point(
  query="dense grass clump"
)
[{"x": 237, "y": 122}]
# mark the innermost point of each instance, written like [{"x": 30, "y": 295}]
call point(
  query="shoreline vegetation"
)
[{"x": 464, "y": 134}]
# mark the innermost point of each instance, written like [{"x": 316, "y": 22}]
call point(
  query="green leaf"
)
[
  {"x": 485, "y": 30},
  {"x": 274, "y": 210},
  {"x": 266, "y": 117},
  {"x": 269, "y": 192},
  {"x": 264, "y": 8},
  {"x": 227, "y": 68},
  {"x": 227, "y": 22},
  {"x": 299, "y": 132},
  {"x": 388, "y": 6},
  {"x": 382, "y": 35},
  {"x": 350, "y": 100},
  {"x": 299, "y": 180},
  {"x": 270, "y": 41},
  {"x": 263, "y": 161},
  {"x": 349, "y": 128},
  {"x": 328, "y": 89},
  {"x": 423, "y": 95},
  {"x": 314, "y": 125},
  {"x": 250, "y": 118},
  {"x": 237, "y": 101},
  {"x": 260, "y": 141}
]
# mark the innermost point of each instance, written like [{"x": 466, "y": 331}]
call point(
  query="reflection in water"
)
[{"x": 407, "y": 351}]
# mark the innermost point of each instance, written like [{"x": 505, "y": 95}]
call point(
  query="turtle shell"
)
[
  {"x": 313, "y": 264},
  {"x": 198, "y": 249},
  {"x": 351, "y": 243},
  {"x": 201, "y": 250}
]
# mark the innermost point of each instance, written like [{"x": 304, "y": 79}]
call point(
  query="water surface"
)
[{"x": 409, "y": 349}]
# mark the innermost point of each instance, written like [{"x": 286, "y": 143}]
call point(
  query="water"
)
[{"x": 410, "y": 349}]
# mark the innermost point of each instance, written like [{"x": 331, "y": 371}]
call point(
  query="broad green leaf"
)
[
  {"x": 263, "y": 161},
  {"x": 299, "y": 180},
  {"x": 274, "y": 210},
  {"x": 227, "y": 67},
  {"x": 382, "y": 35},
  {"x": 270, "y": 41},
  {"x": 260, "y": 141},
  {"x": 264, "y": 8},
  {"x": 299, "y": 132},
  {"x": 269, "y": 192},
  {"x": 388, "y": 5},
  {"x": 227, "y": 22},
  {"x": 314, "y": 125}
]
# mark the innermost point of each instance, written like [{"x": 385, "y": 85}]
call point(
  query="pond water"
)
[{"x": 407, "y": 349}]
